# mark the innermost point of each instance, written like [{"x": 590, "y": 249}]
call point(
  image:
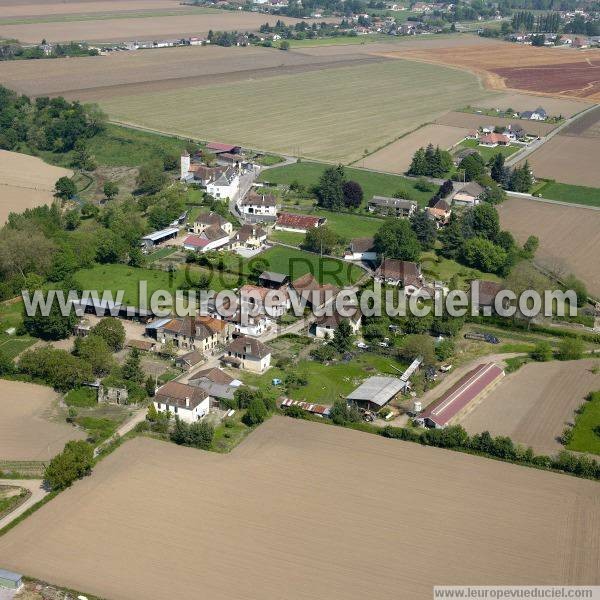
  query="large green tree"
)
[
  {"x": 75, "y": 461},
  {"x": 330, "y": 189},
  {"x": 396, "y": 239},
  {"x": 111, "y": 330}
]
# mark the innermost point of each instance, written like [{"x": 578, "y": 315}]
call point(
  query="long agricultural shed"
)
[{"x": 440, "y": 413}]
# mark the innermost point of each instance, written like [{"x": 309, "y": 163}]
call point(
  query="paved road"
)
[{"x": 38, "y": 492}]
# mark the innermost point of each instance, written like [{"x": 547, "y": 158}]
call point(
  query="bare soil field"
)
[
  {"x": 25, "y": 182},
  {"x": 26, "y": 432},
  {"x": 144, "y": 71},
  {"x": 535, "y": 404},
  {"x": 396, "y": 157},
  {"x": 502, "y": 65},
  {"x": 375, "y": 103},
  {"x": 569, "y": 236},
  {"x": 109, "y": 30},
  {"x": 568, "y": 159},
  {"x": 473, "y": 121},
  {"x": 294, "y": 517},
  {"x": 52, "y": 7},
  {"x": 554, "y": 106},
  {"x": 586, "y": 126}
]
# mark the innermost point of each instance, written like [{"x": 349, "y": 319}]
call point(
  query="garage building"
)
[{"x": 375, "y": 392}]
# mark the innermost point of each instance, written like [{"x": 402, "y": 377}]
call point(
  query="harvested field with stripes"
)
[
  {"x": 535, "y": 404},
  {"x": 287, "y": 505}
]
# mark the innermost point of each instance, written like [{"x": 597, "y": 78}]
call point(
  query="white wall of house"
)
[
  {"x": 259, "y": 209},
  {"x": 187, "y": 415},
  {"x": 368, "y": 256},
  {"x": 255, "y": 365},
  {"x": 224, "y": 191}
]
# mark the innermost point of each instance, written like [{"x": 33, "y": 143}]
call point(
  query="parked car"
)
[
  {"x": 482, "y": 337},
  {"x": 362, "y": 345},
  {"x": 445, "y": 368},
  {"x": 384, "y": 344}
]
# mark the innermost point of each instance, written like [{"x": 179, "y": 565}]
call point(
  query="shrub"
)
[
  {"x": 75, "y": 461},
  {"x": 256, "y": 412}
]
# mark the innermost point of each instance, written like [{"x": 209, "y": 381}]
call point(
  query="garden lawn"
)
[
  {"x": 564, "y": 192},
  {"x": 296, "y": 263},
  {"x": 291, "y": 238},
  {"x": 586, "y": 433},
  {"x": 372, "y": 183},
  {"x": 443, "y": 269},
  {"x": 11, "y": 316},
  {"x": 488, "y": 153},
  {"x": 327, "y": 383}
]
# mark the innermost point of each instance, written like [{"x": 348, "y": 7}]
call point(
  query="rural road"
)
[
  {"x": 545, "y": 200},
  {"x": 38, "y": 492},
  {"x": 125, "y": 427}
]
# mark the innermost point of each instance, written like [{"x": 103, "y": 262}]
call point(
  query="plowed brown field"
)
[
  {"x": 26, "y": 433},
  {"x": 52, "y": 7},
  {"x": 504, "y": 65},
  {"x": 569, "y": 236},
  {"x": 304, "y": 511},
  {"x": 535, "y": 404}
]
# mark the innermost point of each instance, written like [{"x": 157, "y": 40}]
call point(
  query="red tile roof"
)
[
  {"x": 443, "y": 410},
  {"x": 195, "y": 241},
  {"x": 219, "y": 147},
  {"x": 299, "y": 221}
]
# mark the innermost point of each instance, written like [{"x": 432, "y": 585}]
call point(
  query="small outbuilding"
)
[{"x": 10, "y": 580}]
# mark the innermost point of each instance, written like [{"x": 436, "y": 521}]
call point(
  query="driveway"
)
[{"x": 38, "y": 492}]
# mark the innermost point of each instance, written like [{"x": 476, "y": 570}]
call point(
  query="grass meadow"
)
[
  {"x": 332, "y": 114},
  {"x": 372, "y": 183},
  {"x": 586, "y": 433},
  {"x": 564, "y": 192}
]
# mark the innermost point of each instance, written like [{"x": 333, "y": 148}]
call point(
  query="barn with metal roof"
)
[{"x": 375, "y": 392}]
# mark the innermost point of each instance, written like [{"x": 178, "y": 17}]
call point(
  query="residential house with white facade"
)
[{"x": 188, "y": 403}]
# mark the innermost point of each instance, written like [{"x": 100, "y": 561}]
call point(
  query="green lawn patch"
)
[
  {"x": 123, "y": 147},
  {"x": 564, "y": 192},
  {"x": 81, "y": 397},
  {"x": 296, "y": 263},
  {"x": 162, "y": 253},
  {"x": 443, "y": 269},
  {"x": 488, "y": 153},
  {"x": 373, "y": 184},
  {"x": 327, "y": 383},
  {"x": 586, "y": 433},
  {"x": 291, "y": 238},
  {"x": 97, "y": 428}
]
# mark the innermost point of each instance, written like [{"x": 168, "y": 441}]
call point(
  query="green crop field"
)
[
  {"x": 564, "y": 192},
  {"x": 332, "y": 114},
  {"x": 586, "y": 433},
  {"x": 373, "y": 184}
]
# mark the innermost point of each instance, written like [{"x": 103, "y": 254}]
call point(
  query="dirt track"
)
[
  {"x": 304, "y": 511},
  {"x": 26, "y": 433},
  {"x": 569, "y": 236},
  {"x": 535, "y": 404}
]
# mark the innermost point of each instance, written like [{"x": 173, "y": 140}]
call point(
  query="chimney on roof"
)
[{"x": 187, "y": 402}]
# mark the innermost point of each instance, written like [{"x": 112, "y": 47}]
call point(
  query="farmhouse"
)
[
  {"x": 212, "y": 238},
  {"x": 460, "y": 396},
  {"x": 400, "y": 272},
  {"x": 204, "y": 333},
  {"x": 375, "y": 392},
  {"x": 205, "y": 220},
  {"x": 187, "y": 402},
  {"x": 539, "y": 114},
  {"x": 216, "y": 382},
  {"x": 317, "y": 295},
  {"x": 298, "y": 223},
  {"x": 260, "y": 300},
  {"x": 225, "y": 186},
  {"x": 396, "y": 207},
  {"x": 361, "y": 249},
  {"x": 440, "y": 210},
  {"x": 248, "y": 353},
  {"x": 248, "y": 236},
  {"x": 468, "y": 195},
  {"x": 158, "y": 237},
  {"x": 257, "y": 207},
  {"x": 326, "y": 326}
]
